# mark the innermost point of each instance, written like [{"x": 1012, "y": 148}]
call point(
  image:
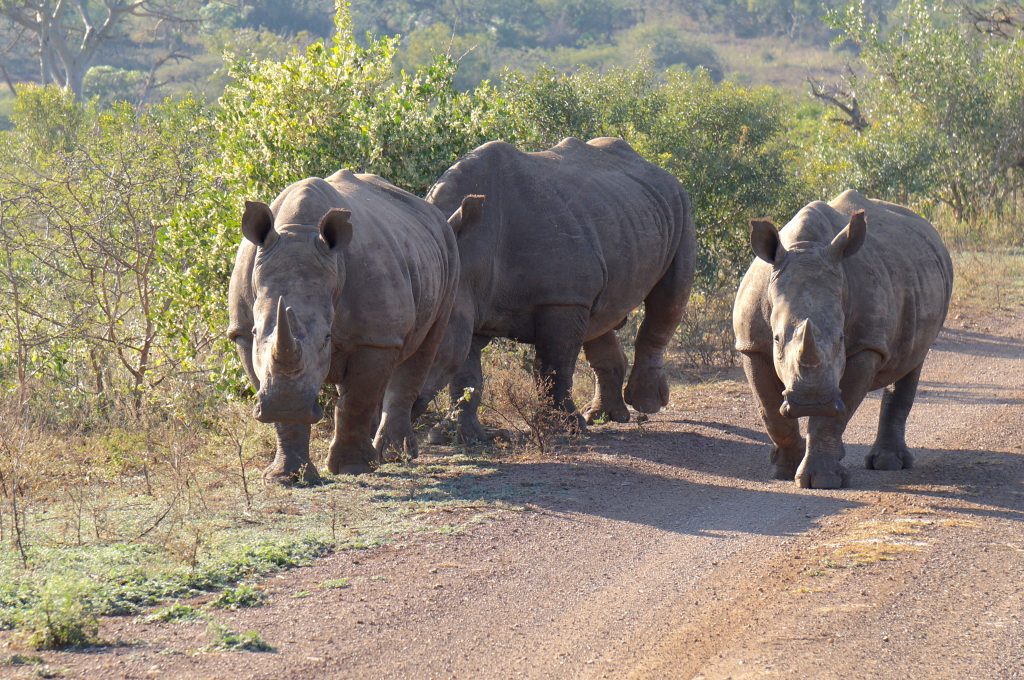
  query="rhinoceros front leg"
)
[
  {"x": 558, "y": 338},
  {"x": 647, "y": 389},
  {"x": 821, "y": 468},
  {"x": 367, "y": 373},
  {"x": 890, "y": 450},
  {"x": 787, "y": 444},
  {"x": 291, "y": 462},
  {"x": 605, "y": 356}
]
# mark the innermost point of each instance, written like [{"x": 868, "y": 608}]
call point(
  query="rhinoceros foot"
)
[
  {"x": 889, "y": 458},
  {"x": 647, "y": 390},
  {"x": 821, "y": 473},
  {"x": 786, "y": 460},
  {"x": 599, "y": 412},
  {"x": 352, "y": 460},
  {"x": 396, "y": 436},
  {"x": 306, "y": 475}
]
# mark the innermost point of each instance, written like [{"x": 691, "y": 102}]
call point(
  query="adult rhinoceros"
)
[
  {"x": 348, "y": 281},
  {"x": 569, "y": 241},
  {"x": 844, "y": 299}
]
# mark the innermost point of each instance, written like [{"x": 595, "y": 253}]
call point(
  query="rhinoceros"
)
[
  {"x": 349, "y": 281},
  {"x": 569, "y": 241},
  {"x": 846, "y": 298}
]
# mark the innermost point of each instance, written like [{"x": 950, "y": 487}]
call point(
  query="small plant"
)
[
  {"x": 232, "y": 641},
  {"x": 300, "y": 594},
  {"x": 24, "y": 660},
  {"x": 174, "y": 613},
  {"x": 240, "y": 597},
  {"x": 337, "y": 583},
  {"x": 61, "y": 618}
]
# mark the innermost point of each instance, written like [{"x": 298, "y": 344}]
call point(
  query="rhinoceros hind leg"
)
[
  {"x": 291, "y": 463},
  {"x": 647, "y": 389},
  {"x": 605, "y": 356},
  {"x": 558, "y": 338},
  {"x": 367, "y": 373},
  {"x": 396, "y": 431},
  {"x": 890, "y": 451}
]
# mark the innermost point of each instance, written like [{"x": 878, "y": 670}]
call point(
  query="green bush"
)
[{"x": 61, "y": 617}]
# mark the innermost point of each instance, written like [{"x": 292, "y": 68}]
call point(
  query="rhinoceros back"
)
[{"x": 590, "y": 224}]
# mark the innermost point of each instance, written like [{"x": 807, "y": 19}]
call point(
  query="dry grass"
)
[{"x": 987, "y": 281}]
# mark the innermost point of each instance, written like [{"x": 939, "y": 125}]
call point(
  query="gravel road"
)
[{"x": 671, "y": 553}]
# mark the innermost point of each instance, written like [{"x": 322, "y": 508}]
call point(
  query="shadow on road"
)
[{"x": 973, "y": 343}]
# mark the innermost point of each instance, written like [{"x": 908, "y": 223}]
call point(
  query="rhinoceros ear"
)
[
  {"x": 258, "y": 224},
  {"x": 764, "y": 239},
  {"x": 851, "y": 238},
  {"x": 468, "y": 214},
  {"x": 335, "y": 228}
]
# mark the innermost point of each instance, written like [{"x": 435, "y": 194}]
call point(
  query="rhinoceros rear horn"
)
[
  {"x": 468, "y": 214},
  {"x": 851, "y": 238},
  {"x": 764, "y": 239},
  {"x": 286, "y": 348},
  {"x": 336, "y": 228},
  {"x": 258, "y": 224}
]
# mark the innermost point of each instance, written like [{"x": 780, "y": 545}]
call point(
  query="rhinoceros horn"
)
[
  {"x": 809, "y": 355},
  {"x": 286, "y": 348}
]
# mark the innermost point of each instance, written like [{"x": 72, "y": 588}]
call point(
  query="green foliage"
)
[
  {"x": 667, "y": 46},
  {"x": 239, "y": 597},
  {"x": 337, "y": 583},
  {"x": 110, "y": 84},
  {"x": 174, "y": 613},
  {"x": 83, "y": 199},
  {"x": 232, "y": 641},
  {"x": 946, "y": 114},
  {"x": 61, "y": 617}
]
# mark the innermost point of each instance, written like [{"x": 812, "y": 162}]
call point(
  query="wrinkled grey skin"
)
[
  {"x": 846, "y": 298},
  {"x": 347, "y": 281},
  {"x": 568, "y": 242}
]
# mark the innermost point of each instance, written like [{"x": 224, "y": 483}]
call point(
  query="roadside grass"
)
[
  {"x": 988, "y": 280},
  {"x": 108, "y": 548}
]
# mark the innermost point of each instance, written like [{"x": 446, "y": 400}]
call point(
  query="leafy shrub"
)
[{"x": 61, "y": 617}]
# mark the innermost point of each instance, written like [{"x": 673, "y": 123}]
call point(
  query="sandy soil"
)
[{"x": 671, "y": 553}]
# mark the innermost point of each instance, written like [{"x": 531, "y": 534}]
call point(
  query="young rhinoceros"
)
[
  {"x": 846, "y": 298},
  {"x": 347, "y": 281}
]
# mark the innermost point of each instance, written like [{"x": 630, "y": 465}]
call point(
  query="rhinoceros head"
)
[
  {"x": 296, "y": 278},
  {"x": 805, "y": 294}
]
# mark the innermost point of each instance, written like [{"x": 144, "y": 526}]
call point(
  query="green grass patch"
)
[
  {"x": 225, "y": 639},
  {"x": 240, "y": 597},
  {"x": 337, "y": 583},
  {"x": 175, "y": 613}
]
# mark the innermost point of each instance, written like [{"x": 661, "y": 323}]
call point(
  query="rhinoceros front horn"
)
[
  {"x": 809, "y": 354},
  {"x": 286, "y": 348}
]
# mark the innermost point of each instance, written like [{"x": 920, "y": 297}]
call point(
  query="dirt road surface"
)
[{"x": 670, "y": 553}]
